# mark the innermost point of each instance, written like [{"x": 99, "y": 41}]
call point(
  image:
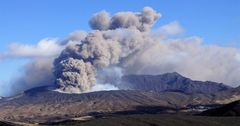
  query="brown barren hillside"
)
[{"x": 40, "y": 104}]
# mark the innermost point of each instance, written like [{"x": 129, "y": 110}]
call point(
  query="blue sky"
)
[
  {"x": 27, "y": 22},
  {"x": 30, "y": 21}
]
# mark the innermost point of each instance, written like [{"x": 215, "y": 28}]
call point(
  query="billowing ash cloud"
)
[
  {"x": 140, "y": 21},
  {"x": 75, "y": 37},
  {"x": 126, "y": 41},
  {"x": 187, "y": 57},
  {"x": 172, "y": 29},
  {"x": 237, "y": 57},
  {"x": 114, "y": 40}
]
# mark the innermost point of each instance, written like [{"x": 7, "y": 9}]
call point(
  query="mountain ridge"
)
[
  {"x": 41, "y": 104},
  {"x": 171, "y": 81}
]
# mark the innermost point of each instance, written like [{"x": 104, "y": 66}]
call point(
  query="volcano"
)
[{"x": 42, "y": 104}]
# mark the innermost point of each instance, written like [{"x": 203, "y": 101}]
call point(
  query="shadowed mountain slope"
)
[
  {"x": 231, "y": 109},
  {"x": 155, "y": 120},
  {"x": 8, "y": 124},
  {"x": 142, "y": 120},
  {"x": 171, "y": 81}
]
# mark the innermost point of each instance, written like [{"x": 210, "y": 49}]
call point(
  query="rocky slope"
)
[
  {"x": 41, "y": 104},
  {"x": 167, "y": 93}
]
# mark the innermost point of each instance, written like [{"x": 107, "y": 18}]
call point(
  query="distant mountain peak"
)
[
  {"x": 171, "y": 81},
  {"x": 176, "y": 73},
  {"x": 173, "y": 74}
]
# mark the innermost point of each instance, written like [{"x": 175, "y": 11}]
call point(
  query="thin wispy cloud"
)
[
  {"x": 237, "y": 57},
  {"x": 47, "y": 47},
  {"x": 74, "y": 37},
  {"x": 173, "y": 29},
  {"x": 231, "y": 44}
]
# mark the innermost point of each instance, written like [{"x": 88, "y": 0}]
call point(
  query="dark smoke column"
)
[{"x": 111, "y": 40}]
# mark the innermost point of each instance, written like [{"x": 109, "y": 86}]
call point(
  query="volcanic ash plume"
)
[{"x": 112, "y": 40}]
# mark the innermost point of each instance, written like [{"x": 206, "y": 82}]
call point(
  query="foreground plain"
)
[{"x": 152, "y": 120}]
